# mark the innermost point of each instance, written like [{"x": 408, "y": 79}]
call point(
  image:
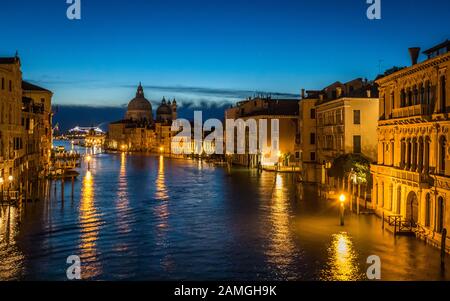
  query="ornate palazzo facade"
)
[{"x": 412, "y": 174}]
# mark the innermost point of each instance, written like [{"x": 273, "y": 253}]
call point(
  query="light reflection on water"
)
[
  {"x": 342, "y": 263},
  {"x": 90, "y": 223},
  {"x": 148, "y": 217},
  {"x": 281, "y": 249},
  {"x": 11, "y": 258}
]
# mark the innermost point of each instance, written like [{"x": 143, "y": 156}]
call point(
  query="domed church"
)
[
  {"x": 167, "y": 111},
  {"x": 139, "y": 132},
  {"x": 139, "y": 108}
]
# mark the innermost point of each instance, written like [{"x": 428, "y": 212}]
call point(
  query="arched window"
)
[
  {"x": 391, "y": 197},
  {"x": 427, "y": 210},
  {"x": 409, "y": 100},
  {"x": 428, "y": 95},
  {"x": 440, "y": 215},
  {"x": 442, "y": 154},
  {"x": 392, "y": 101},
  {"x": 415, "y": 96},
  {"x": 403, "y": 98},
  {"x": 422, "y": 94}
]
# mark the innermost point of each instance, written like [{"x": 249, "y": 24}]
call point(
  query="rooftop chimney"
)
[
  {"x": 303, "y": 93},
  {"x": 414, "y": 53}
]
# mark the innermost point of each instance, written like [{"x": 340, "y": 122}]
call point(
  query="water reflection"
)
[
  {"x": 342, "y": 263},
  {"x": 122, "y": 204},
  {"x": 140, "y": 217},
  {"x": 281, "y": 247},
  {"x": 90, "y": 224},
  {"x": 12, "y": 258},
  {"x": 161, "y": 209},
  {"x": 161, "y": 188}
]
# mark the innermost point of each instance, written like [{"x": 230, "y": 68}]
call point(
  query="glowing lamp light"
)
[
  {"x": 1, "y": 180},
  {"x": 88, "y": 158},
  {"x": 342, "y": 198},
  {"x": 10, "y": 178},
  {"x": 161, "y": 149}
]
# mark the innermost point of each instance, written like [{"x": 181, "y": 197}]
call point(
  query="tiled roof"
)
[{"x": 31, "y": 87}]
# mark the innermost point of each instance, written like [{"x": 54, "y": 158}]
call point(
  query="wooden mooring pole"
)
[{"x": 444, "y": 237}]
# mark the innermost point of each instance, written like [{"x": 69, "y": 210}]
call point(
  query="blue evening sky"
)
[{"x": 216, "y": 50}]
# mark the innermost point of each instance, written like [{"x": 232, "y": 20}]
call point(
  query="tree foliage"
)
[{"x": 343, "y": 165}]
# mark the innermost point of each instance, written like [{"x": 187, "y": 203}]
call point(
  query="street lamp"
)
[
  {"x": 161, "y": 149},
  {"x": 1, "y": 183},
  {"x": 342, "y": 199},
  {"x": 10, "y": 179},
  {"x": 88, "y": 159}
]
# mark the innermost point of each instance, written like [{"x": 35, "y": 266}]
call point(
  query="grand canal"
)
[{"x": 137, "y": 217}]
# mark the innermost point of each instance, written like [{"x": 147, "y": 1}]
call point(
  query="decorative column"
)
[
  {"x": 403, "y": 154},
  {"x": 392, "y": 153},
  {"x": 426, "y": 155},
  {"x": 408, "y": 153},
  {"x": 414, "y": 155},
  {"x": 420, "y": 157}
]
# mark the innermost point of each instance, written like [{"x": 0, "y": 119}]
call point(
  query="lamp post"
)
[
  {"x": 1, "y": 183},
  {"x": 10, "y": 179},
  {"x": 341, "y": 208},
  {"x": 352, "y": 188}
]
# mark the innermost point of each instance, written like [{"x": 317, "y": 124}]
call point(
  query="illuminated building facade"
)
[
  {"x": 139, "y": 131},
  {"x": 260, "y": 108},
  {"x": 340, "y": 119},
  {"x": 25, "y": 131},
  {"x": 412, "y": 176}
]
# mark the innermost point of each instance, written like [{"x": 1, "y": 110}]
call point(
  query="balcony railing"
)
[
  {"x": 412, "y": 111},
  {"x": 422, "y": 178}
]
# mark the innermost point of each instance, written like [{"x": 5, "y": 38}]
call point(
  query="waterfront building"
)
[
  {"x": 37, "y": 137},
  {"x": 139, "y": 131},
  {"x": 307, "y": 138},
  {"x": 11, "y": 144},
  {"x": 339, "y": 119},
  {"x": 286, "y": 111},
  {"x": 25, "y": 132},
  {"x": 412, "y": 174},
  {"x": 346, "y": 123}
]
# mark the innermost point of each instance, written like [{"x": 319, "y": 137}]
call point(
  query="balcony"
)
[
  {"x": 412, "y": 111},
  {"x": 422, "y": 178}
]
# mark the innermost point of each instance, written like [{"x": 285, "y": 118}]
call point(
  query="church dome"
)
[
  {"x": 164, "y": 109},
  {"x": 139, "y": 108}
]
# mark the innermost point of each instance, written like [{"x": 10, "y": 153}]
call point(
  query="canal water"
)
[{"x": 137, "y": 217}]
